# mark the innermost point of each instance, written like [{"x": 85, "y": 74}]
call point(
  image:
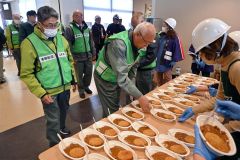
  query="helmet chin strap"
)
[{"x": 222, "y": 45}]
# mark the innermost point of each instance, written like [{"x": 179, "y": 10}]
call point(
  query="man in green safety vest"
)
[
  {"x": 117, "y": 64},
  {"x": 13, "y": 44},
  {"x": 47, "y": 69},
  {"x": 80, "y": 40}
]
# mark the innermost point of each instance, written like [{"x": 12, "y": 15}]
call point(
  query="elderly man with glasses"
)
[
  {"x": 47, "y": 69},
  {"x": 117, "y": 65}
]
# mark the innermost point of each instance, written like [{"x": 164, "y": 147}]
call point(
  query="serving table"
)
[{"x": 54, "y": 153}]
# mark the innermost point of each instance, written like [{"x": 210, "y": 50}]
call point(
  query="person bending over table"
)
[{"x": 117, "y": 65}]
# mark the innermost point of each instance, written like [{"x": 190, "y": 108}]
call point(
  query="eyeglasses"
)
[
  {"x": 145, "y": 41},
  {"x": 51, "y": 25}
]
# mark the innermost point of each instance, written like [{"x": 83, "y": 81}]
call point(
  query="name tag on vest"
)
[
  {"x": 86, "y": 34},
  {"x": 14, "y": 32},
  {"x": 78, "y": 36},
  {"x": 47, "y": 58},
  {"x": 62, "y": 54},
  {"x": 101, "y": 67}
]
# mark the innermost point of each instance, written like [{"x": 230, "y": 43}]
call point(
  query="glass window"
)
[
  {"x": 26, "y": 5},
  {"x": 97, "y": 4},
  {"x": 89, "y": 17},
  {"x": 126, "y": 18},
  {"x": 124, "y": 5},
  {"x": 106, "y": 9}
]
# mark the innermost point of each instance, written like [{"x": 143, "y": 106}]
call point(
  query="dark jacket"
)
[
  {"x": 168, "y": 46},
  {"x": 97, "y": 31},
  {"x": 114, "y": 28},
  {"x": 2, "y": 39},
  {"x": 149, "y": 58},
  {"x": 25, "y": 30}
]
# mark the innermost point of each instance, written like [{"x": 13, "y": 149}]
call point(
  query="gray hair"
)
[
  {"x": 46, "y": 12},
  {"x": 145, "y": 28},
  {"x": 16, "y": 16}
]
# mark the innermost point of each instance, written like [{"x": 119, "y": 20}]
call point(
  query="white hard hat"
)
[
  {"x": 207, "y": 32},
  {"x": 171, "y": 22},
  {"x": 236, "y": 37}
]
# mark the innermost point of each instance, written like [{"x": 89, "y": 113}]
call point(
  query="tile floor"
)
[{"x": 17, "y": 104}]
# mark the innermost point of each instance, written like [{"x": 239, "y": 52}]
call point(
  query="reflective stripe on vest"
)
[
  {"x": 103, "y": 69},
  {"x": 143, "y": 53},
  {"x": 81, "y": 43},
  {"x": 55, "y": 68},
  {"x": 14, "y": 36}
]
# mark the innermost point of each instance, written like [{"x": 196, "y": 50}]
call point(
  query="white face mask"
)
[
  {"x": 164, "y": 29},
  {"x": 208, "y": 62},
  {"x": 16, "y": 21},
  {"x": 50, "y": 32}
]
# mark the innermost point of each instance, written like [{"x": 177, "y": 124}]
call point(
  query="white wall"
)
[
  {"x": 190, "y": 12},
  {"x": 51, "y": 3},
  {"x": 39, "y": 3},
  {"x": 139, "y": 5},
  {"x": 65, "y": 6},
  {"x": 15, "y": 7},
  {"x": 68, "y": 8}
]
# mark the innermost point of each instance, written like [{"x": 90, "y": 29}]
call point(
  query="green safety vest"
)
[
  {"x": 81, "y": 43},
  {"x": 142, "y": 53},
  {"x": 103, "y": 69},
  {"x": 14, "y": 36},
  {"x": 61, "y": 28},
  {"x": 55, "y": 67}
]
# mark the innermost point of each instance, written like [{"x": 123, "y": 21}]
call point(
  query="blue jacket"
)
[{"x": 169, "y": 50}]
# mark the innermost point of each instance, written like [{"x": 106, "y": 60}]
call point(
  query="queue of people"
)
[{"x": 51, "y": 62}]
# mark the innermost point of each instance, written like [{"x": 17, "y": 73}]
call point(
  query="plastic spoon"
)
[{"x": 61, "y": 140}]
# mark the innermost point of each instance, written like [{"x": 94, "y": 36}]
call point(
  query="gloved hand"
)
[
  {"x": 188, "y": 113},
  {"x": 191, "y": 89},
  {"x": 201, "y": 65},
  {"x": 197, "y": 62},
  {"x": 172, "y": 64},
  {"x": 228, "y": 109},
  {"x": 200, "y": 148},
  {"x": 212, "y": 91}
]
